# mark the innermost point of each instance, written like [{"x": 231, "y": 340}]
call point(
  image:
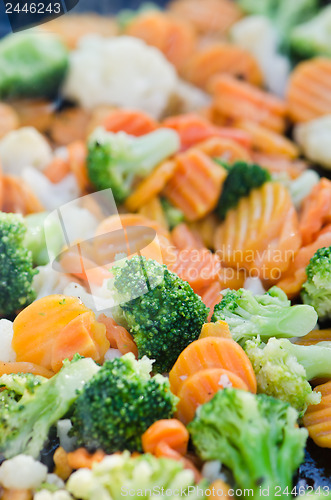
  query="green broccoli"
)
[
  {"x": 32, "y": 65},
  {"x": 160, "y": 309},
  {"x": 174, "y": 216},
  {"x": 16, "y": 271},
  {"x": 118, "y": 405},
  {"x": 25, "y": 423},
  {"x": 313, "y": 38},
  {"x": 255, "y": 436},
  {"x": 116, "y": 161},
  {"x": 20, "y": 383},
  {"x": 241, "y": 180},
  {"x": 268, "y": 315},
  {"x": 316, "y": 291},
  {"x": 279, "y": 373},
  {"x": 38, "y": 226},
  {"x": 120, "y": 474}
]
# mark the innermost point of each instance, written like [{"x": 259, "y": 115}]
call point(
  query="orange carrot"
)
[
  {"x": 153, "y": 210},
  {"x": 231, "y": 278},
  {"x": 162, "y": 449},
  {"x": 205, "y": 229},
  {"x": 212, "y": 352},
  {"x": 18, "y": 197},
  {"x": 317, "y": 418},
  {"x": 57, "y": 170},
  {"x": 9, "y": 119},
  {"x": 316, "y": 211},
  {"x": 218, "y": 329},
  {"x": 278, "y": 164},
  {"x": 200, "y": 388},
  {"x": 314, "y": 337},
  {"x": 224, "y": 149},
  {"x": 219, "y": 490},
  {"x": 238, "y": 100},
  {"x": 77, "y": 152},
  {"x": 222, "y": 58},
  {"x": 151, "y": 186},
  {"x": 69, "y": 125},
  {"x": 308, "y": 93},
  {"x": 211, "y": 296},
  {"x": 87, "y": 270},
  {"x": 172, "y": 431},
  {"x": 132, "y": 122},
  {"x": 24, "y": 367},
  {"x": 82, "y": 459},
  {"x": 183, "y": 237},
  {"x": 37, "y": 113},
  {"x": 196, "y": 184},
  {"x": 118, "y": 337}
]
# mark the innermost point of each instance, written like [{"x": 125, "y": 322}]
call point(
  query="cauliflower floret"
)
[
  {"x": 259, "y": 37},
  {"x": 22, "y": 472},
  {"x": 100, "y": 301},
  {"x": 314, "y": 139},
  {"x": 63, "y": 427},
  {"x": 122, "y": 71},
  {"x": 56, "y": 495},
  {"x": 24, "y": 147},
  {"x": 49, "y": 281},
  {"x": 7, "y": 354}
]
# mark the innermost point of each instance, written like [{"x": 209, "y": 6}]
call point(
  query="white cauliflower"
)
[
  {"x": 62, "y": 428},
  {"x": 314, "y": 137},
  {"x": 257, "y": 35},
  {"x": 301, "y": 187},
  {"x": 121, "y": 71},
  {"x": 254, "y": 285},
  {"x": 56, "y": 495},
  {"x": 100, "y": 301},
  {"x": 48, "y": 281},
  {"x": 7, "y": 354},
  {"x": 22, "y": 148},
  {"x": 22, "y": 472}
]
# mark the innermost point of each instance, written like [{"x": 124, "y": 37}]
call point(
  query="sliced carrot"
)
[
  {"x": 222, "y": 58},
  {"x": 153, "y": 210},
  {"x": 316, "y": 211},
  {"x": 277, "y": 164},
  {"x": 212, "y": 352},
  {"x": 98, "y": 116},
  {"x": 238, "y": 100},
  {"x": 77, "y": 152},
  {"x": 209, "y": 16},
  {"x": 74, "y": 263},
  {"x": 196, "y": 184},
  {"x": 183, "y": 237},
  {"x": 224, "y": 149},
  {"x": 219, "y": 490},
  {"x": 9, "y": 119},
  {"x": 175, "y": 38},
  {"x": 172, "y": 431},
  {"x": 118, "y": 336},
  {"x": 199, "y": 267},
  {"x": 317, "y": 418},
  {"x": 18, "y": 197},
  {"x": 308, "y": 93},
  {"x": 57, "y": 170},
  {"x": 269, "y": 142},
  {"x": 151, "y": 186},
  {"x": 205, "y": 229},
  {"x": 37, "y": 113},
  {"x": 12, "y": 494},
  {"x": 24, "y": 367},
  {"x": 193, "y": 129},
  {"x": 262, "y": 234},
  {"x": 218, "y": 329},
  {"x": 211, "y": 295},
  {"x": 231, "y": 278},
  {"x": 314, "y": 337},
  {"x": 82, "y": 459},
  {"x": 201, "y": 387},
  {"x": 132, "y": 122},
  {"x": 163, "y": 449},
  {"x": 69, "y": 125}
]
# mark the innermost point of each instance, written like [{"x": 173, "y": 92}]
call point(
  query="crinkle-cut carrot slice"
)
[
  {"x": 170, "y": 431},
  {"x": 69, "y": 125},
  {"x": 314, "y": 337},
  {"x": 217, "y": 329},
  {"x": 119, "y": 338},
  {"x": 277, "y": 164},
  {"x": 208, "y": 16},
  {"x": 153, "y": 210},
  {"x": 151, "y": 186},
  {"x": 316, "y": 211},
  {"x": 224, "y": 149},
  {"x": 17, "y": 197},
  {"x": 238, "y": 100},
  {"x": 201, "y": 387},
  {"x": 317, "y": 418},
  {"x": 193, "y": 129},
  {"x": 212, "y": 352},
  {"x": 293, "y": 279},
  {"x": 82, "y": 335},
  {"x": 261, "y": 234},
  {"x": 132, "y": 122},
  {"x": 57, "y": 169},
  {"x": 196, "y": 184},
  {"x": 24, "y": 367},
  {"x": 77, "y": 154},
  {"x": 175, "y": 38},
  {"x": 222, "y": 58},
  {"x": 199, "y": 267},
  {"x": 309, "y": 90},
  {"x": 230, "y": 277},
  {"x": 211, "y": 295},
  {"x": 38, "y": 325},
  {"x": 205, "y": 229},
  {"x": 183, "y": 237},
  {"x": 268, "y": 141}
]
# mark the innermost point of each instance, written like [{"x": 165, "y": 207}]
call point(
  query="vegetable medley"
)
[{"x": 176, "y": 345}]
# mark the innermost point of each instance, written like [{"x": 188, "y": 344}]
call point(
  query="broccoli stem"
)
[{"x": 314, "y": 358}]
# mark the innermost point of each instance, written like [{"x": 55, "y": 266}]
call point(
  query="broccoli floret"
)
[
  {"x": 118, "y": 405},
  {"x": 119, "y": 474},
  {"x": 279, "y": 374},
  {"x": 174, "y": 216},
  {"x": 313, "y": 38},
  {"x": 268, "y": 315},
  {"x": 316, "y": 291},
  {"x": 255, "y": 436},
  {"x": 116, "y": 161},
  {"x": 25, "y": 424},
  {"x": 32, "y": 65},
  {"x": 38, "y": 226},
  {"x": 19, "y": 383},
  {"x": 16, "y": 271},
  {"x": 160, "y": 309},
  {"x": 242, "y": 179}
]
